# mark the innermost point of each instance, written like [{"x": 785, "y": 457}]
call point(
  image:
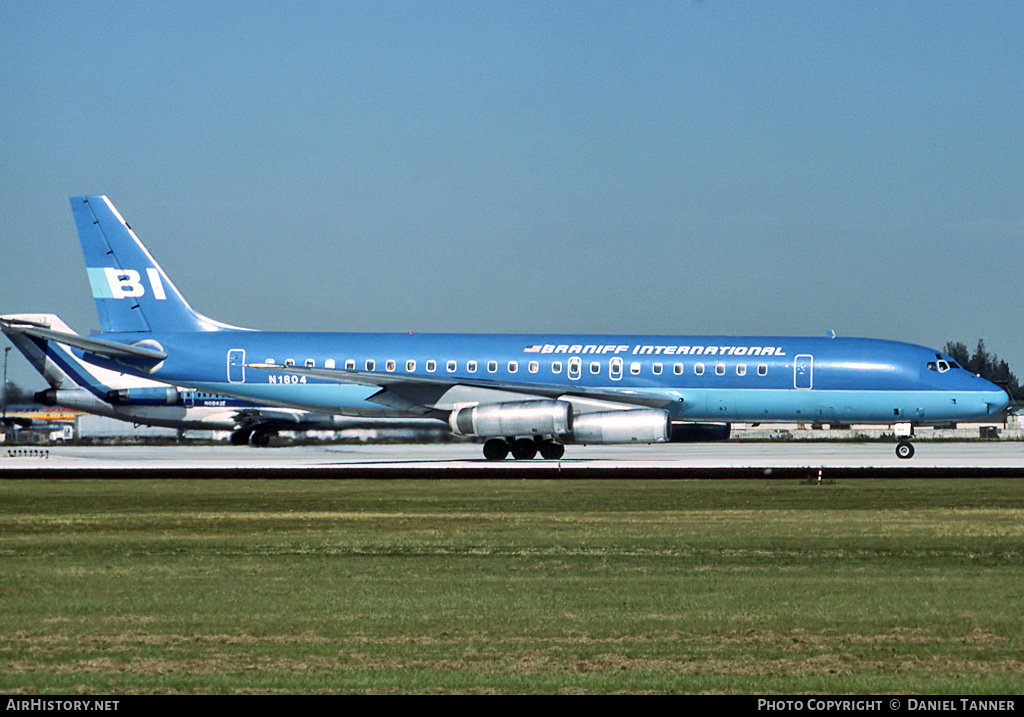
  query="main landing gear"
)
[
  {"x": 522, "y": 449},
  {"x": 257, "y": 438}
]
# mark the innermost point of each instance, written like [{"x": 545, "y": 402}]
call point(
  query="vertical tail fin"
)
[{"x": 131, "y": 291}]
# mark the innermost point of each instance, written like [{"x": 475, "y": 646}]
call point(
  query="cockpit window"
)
[{"x": 942, "y": 365}]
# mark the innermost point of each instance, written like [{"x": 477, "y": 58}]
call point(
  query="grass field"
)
[{"x": 204, "y": 586}]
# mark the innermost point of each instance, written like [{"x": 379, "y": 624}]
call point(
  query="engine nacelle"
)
[
  {"x": 642, "y": 425},
  {"x": 144, "y": 396},
  {"x": 515, "y": 418},
  {"x": 47, "y": 397}
]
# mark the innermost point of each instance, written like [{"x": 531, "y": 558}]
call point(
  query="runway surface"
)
[{"x": 713, "y": 460}]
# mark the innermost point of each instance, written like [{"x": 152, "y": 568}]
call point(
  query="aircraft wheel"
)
[
  {"x": 523, "y": 449},
  {"x": 551, "y": 451},
  {"x": 495, "y": 449},
  {"x": 260, "y": 438},
  {"x": 239, "y": 438},
  {"x": 904, "y": 449}
]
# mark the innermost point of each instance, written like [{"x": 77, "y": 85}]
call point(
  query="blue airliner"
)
[
  {"x": 525, "y": 393},
  {"x": 83, "y": 386}
]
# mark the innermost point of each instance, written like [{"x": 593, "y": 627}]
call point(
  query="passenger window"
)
[
  {"x": 451, "y": 367},
  {"x": 270, "y": 361},
  {"x": 762, "y": 369},
  {"x": 634, "y": 368},
  {"x": 513, "y": 366},
  {"x": 615, "y": 368},
  {"x": 310, "y": 363},
  {"x": 289, "y": 362},
  {"x": 350, "y": 364},
  {"x": 390, "y": 365},
  {"x": 492, "y": 366},
  {"x": 741, "y": 369},
  {"x": 656, "y": 368},
  {"x": 329, "y": 363},
  {"x": 471, "y": 366},
  {"x": 595, "y": 367},
  {"x": 720, "y": 369},
  {"x": 556, "y": 367},
  {"x": 574, "y": 367},
  {"x": 534, "y": 366},
  {"x": 370, "y": 364},
  {"x": 698, "y": 368},
  {"x": 677, "y": 369},
  {"x": 431, "y": 366},
  {"x": 410, "y": 366}
]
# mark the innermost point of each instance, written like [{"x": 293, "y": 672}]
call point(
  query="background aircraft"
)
[
  {"x": 78, "y": 385},
  {"x": 525, "y": 393}
]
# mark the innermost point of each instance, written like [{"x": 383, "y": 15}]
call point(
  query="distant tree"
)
[
  {"x": 13, "y": 393},
  {"x": 986, "y": 365},
  {"x": 958, "y": 352}
]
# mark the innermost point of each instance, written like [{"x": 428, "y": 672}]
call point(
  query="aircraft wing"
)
[
  {"x": 284, "y": 419},
  {"x": 99, "y": 347},
  {"x": 419, "y": 393}
]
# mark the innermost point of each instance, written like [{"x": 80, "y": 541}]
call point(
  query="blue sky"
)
[{"x": 650, "y": 167}]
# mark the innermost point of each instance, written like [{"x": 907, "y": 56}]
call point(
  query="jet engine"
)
[
  {"x": 515, "y": 418},
  {"x": 642, "y": 425},
  {"x": 47, "y": 397},
  {"x": 145, "y": 396}
]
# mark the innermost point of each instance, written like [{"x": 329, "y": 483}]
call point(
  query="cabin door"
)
[
  {"x": 803, "y": 372},
  {"x": 236, "y": 366}
]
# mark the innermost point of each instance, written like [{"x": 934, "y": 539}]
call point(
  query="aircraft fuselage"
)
[{"x": 735, "y": 379}]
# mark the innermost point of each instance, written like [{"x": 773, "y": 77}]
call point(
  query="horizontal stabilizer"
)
[
  {"x": 98, "y": 347},
  {"x": 16, "y": 322}
]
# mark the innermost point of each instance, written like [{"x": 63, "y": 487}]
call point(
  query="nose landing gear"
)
[
  {"x": 904, "y": 449},
  {"x": 904, "y": 432}
]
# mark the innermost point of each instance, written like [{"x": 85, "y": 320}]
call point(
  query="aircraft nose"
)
[{"x": 997, "y": 400}]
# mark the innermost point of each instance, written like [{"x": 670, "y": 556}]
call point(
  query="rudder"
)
[{"x": 131, "y": 291}]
